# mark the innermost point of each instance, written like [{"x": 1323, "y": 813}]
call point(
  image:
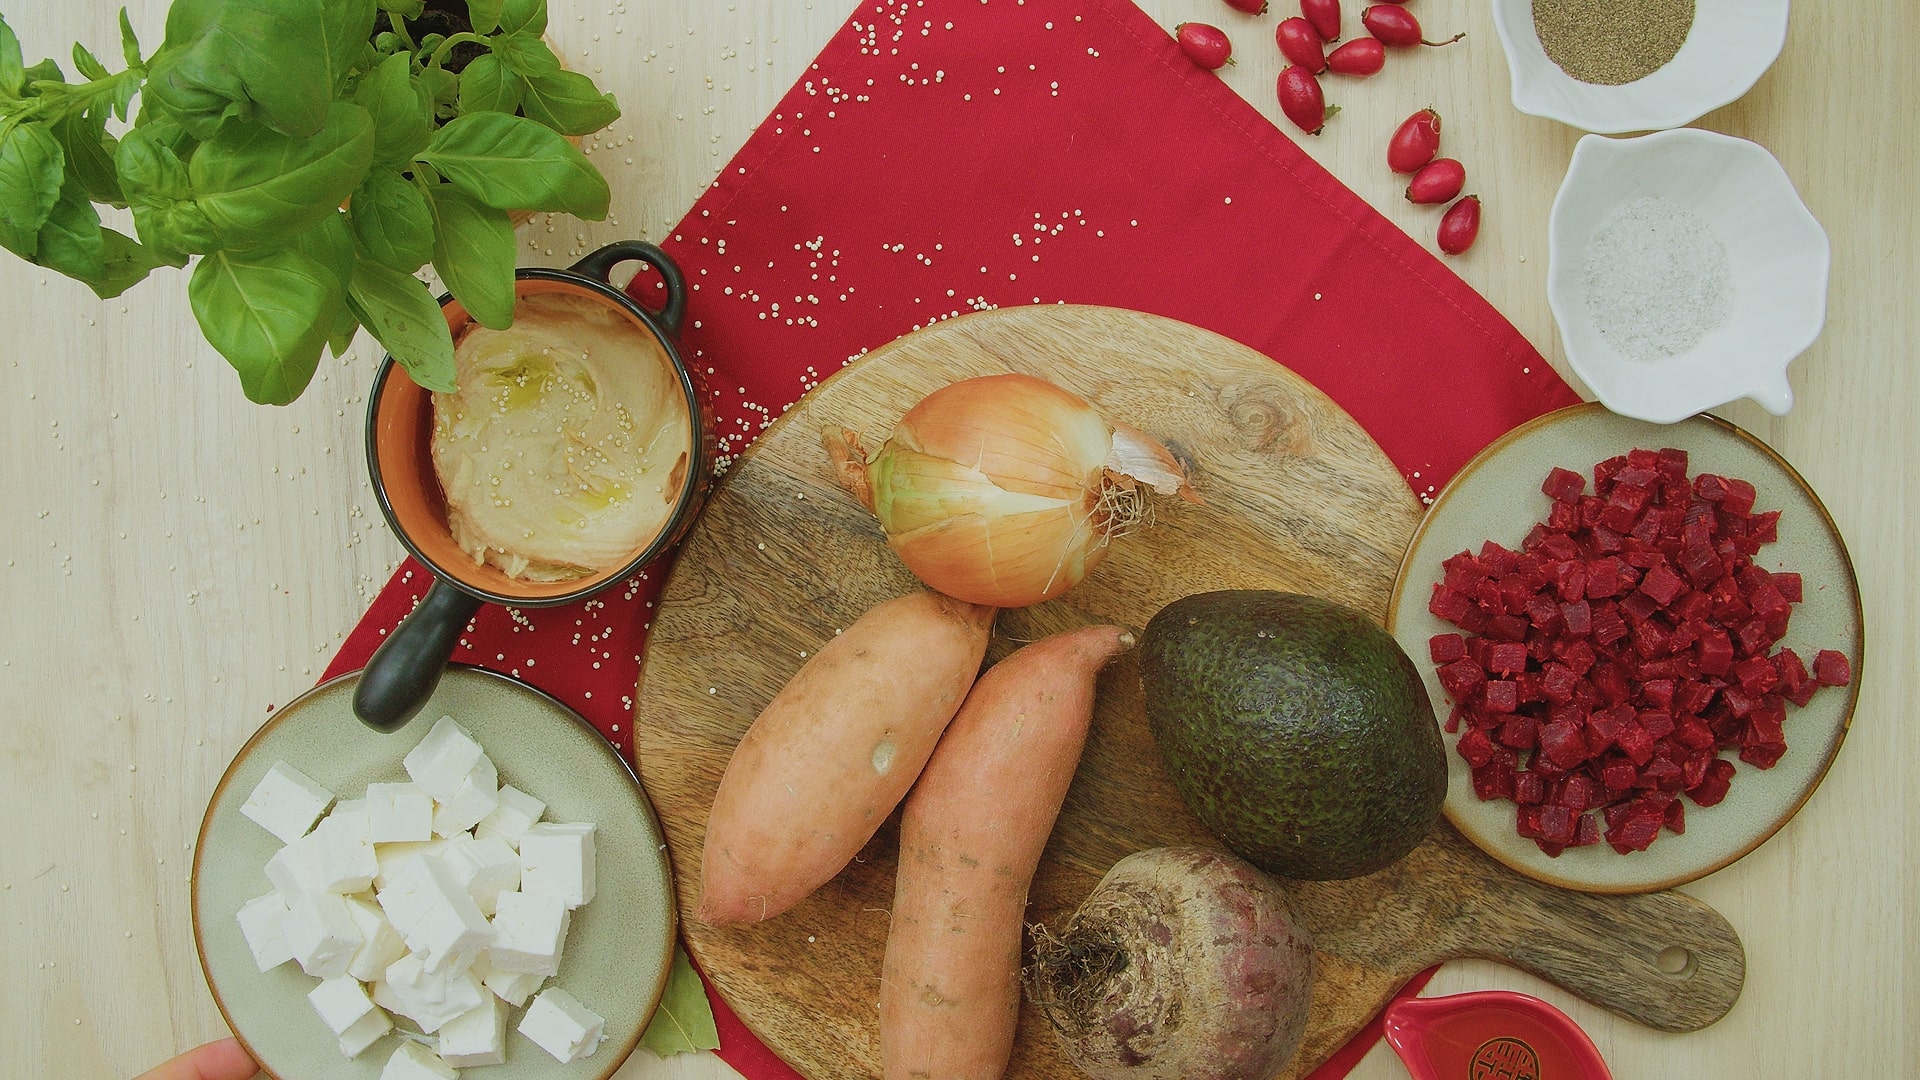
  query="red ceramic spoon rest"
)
[{"x": 1490, "y": 1035}]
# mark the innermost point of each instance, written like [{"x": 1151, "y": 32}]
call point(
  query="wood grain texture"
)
[
  {"x": 1297, "y": 498},
  {"x": 178, "y": 559}
]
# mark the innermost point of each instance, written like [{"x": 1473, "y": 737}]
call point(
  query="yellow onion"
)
[{"x": 1005, "y": 490}]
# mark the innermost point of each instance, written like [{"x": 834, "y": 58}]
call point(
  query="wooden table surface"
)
[{"x": 178, "y": 559}]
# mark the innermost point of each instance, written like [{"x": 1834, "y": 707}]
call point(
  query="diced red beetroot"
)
[
  {"x": 1610, "y": 680},
  {"x": 1662, "y": 584},
  {"x": 1604, "y": 727},
  {"x": 1756, "y": 674},
  {"x": 1754, "y": 638},
  {"x": 1558, "y": 682},
  {"x": 1501, "y": 696},
  {"x": 1556, "y": 823},
  {"x": 1649, "y": 637},
  {"x": 1608, "y": 626},
  {"x": 1497, "y": 559},
  {"x": 1603, "y": 578},
  {"x": 1671, "y": 464},
  {"x": 1586, "y": 831},
  {"x": 1710, "y": 488},
  {"x": 1701, "y": 564},
  {"x": 1767, "y": 603},
  {"x": 1529, "y": 789},
  {"x": 1493, "y": 781},
  {"x": 1452, "y": 722},
  {"x": 1577, "y": 655},
  {"x": 1692, "y": 606},
  {"x": 1711, "y": 790},
  {"x": 1789, "y": 586},
  {"x": 1619, "y": 774},
  {"x": 1604, "y": 471},
  {"x": 1544, "y": 614},
  {"x": 1831, "y": 668},
  {"x": 1577, "y": 618},
  {"x": 1693, "y": 733},
  {"x": 1475, "y": 748},
  {"x": 1634, "y": 742},
  {"x": 1461, "y": 678},
  {"x": 1507, "y": 628},
  {"x": 1763, "y": 755},
  {"x": 1692, "y": 698},
  {"x": 1563, "y": 744},
  {"x": 1739, "y": 498},
  {"x": 1663, "y": 774},
  {"x": 1714, "y": 653},
  {"x": 1657, "y": 724},
  {"x": 1676, "y": 816},
  {"x": 1693, "y": 766},
  {"x": 1563, "y": 485},
  {"x": 1766, "y": 527},
  {"x": 1635, "y": 833},
  {"x": 1446, "y": 648},
  {"x": 1578, "y": 791},
  {"x": 1507, "y": 658},
  {"x": 1658, "y": 693},
  {"x": 1519, "y": 731},
  {"x": 1448, "y": 604}
]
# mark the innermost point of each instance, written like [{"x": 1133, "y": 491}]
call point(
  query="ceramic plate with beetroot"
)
[{"x": 1643, "y": 642}]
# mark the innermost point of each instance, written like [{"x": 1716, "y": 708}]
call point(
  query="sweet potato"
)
[
  {"x": 970, "y": 839},
  {"x": 1183, "y": 964},
  {"x": 833, "y": 753}
]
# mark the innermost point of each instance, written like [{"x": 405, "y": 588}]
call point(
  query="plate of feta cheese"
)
[{"x": 484, "y": 892}]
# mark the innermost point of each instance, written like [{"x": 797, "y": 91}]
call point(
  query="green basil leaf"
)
[
  {"x": 256, "y": 184},
  {"x": 129, "y": 42},
  {"x": 88, "y": 64},
  {"x": 406, "y": 320},
  {"x": 268, "y": 313},
  {"x": 524, "y": 16},
  {"x": 512, "y": 163},
  {"x": 569, "y": 103},
  {"x": 125, "y": 262},
  {"x": 47, "y": 70},
  {"x": 31, "y": 171},
  {"x": 402, "y": 111},
  {"x": 89, "y": 154},
  {"x": 148, "y": 167},
  {"x": 487, "y": 86},
  {"x": 330, "y": 244},
  {"x": 405, "y": 9},
  {"x": 484, "y": 15},
  {"x": 70, "y": 242},
  {"x": 13, "y": 68},
  {"x": 281, "y": 58},
  {"x": 473, "y": 251},
  {"x": 525, "y": 54},
  {"x": 684, "y": 1021},
  {"x": 442, "y": 86},
  {"x": 390, "y": 218}
]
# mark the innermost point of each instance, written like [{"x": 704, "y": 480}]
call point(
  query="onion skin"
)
[{"x": 1183, "y": 964}]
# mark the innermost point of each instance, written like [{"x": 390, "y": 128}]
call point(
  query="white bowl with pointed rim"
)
[
  {"x": 1777, "y": 259},
  {"x": 1731, "y": 44}
]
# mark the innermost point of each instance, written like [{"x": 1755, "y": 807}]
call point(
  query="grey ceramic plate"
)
[
  {"x": 1497, "y": 496},
  {"x": 619, "y": 946}
]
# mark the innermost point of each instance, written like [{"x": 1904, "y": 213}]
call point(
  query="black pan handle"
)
[
  {"x": 407, "y": 666},
  {"x": 600, "y": 265}
]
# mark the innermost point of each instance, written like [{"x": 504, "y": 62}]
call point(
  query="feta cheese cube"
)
[
  {"x": 515, "y": 814},
  {"x": 428, "y": 998},
  {"x": 350, "y": 806},
  {"x": 528, "y": 930},
  {"x": 320, "y": 933},
  {"x": 347, "y": 860},
  {"x": 286, "y": 802},
  {"x": 341, "y": 1002},
  {"x": 388, "y": 858},
  {"x": 300, "y": 867},
  {"x": 485, "y": 867},
  {"x": 434, "y": 914},
  {"x": 364, "y": 1033},
  {"x": 263, "y": 924},
  {"x": 380, "y": 943},
  {"x": 475, "y": 798},
  {"x": 476, "y": 1037},
  {"x": 560, "y": 1025},
  {"x": 442, "y": 760},
  {"x": 512, "y": 987},
  {"x": 399, "y": 812},
  {"x": 411, "y": 1061},
  {"x": 557, "y": 860}
]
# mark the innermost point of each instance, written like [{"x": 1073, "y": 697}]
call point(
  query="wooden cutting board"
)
[{"x": 1298, "y": 498}]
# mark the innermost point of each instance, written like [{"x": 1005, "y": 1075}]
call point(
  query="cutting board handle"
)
[{"x": 1664, "y": 959}]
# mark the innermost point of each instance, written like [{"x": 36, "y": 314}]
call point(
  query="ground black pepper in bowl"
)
[{"x": 1612, "y": 42}]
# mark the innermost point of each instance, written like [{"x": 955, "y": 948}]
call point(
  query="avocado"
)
[{"x": 1295, "y": 728}]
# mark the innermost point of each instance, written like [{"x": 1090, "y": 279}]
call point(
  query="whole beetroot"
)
[{"x": 1183, "y": 964}]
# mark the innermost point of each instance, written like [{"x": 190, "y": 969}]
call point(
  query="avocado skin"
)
[{"x": 1295, "y": 728}]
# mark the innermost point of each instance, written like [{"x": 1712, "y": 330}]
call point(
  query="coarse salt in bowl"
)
[
  {"x": 1683, "y": 272},
  {"x": 1730, "y": 44}
]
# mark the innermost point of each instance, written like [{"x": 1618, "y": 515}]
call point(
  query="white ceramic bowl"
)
[
  {"x": 1731, "y": 44},
  {"x": 1777, "y": 260}
]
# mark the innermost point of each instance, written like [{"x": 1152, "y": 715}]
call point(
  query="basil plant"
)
[{"x": 308, "y": 156}]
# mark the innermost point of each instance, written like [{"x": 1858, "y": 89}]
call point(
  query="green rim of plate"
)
[
  {"x": 1760, "y": 801},
  {"x": 619, "y": 948}
]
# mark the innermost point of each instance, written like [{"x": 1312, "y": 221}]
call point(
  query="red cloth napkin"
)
[{"x": 944, "y": 156}]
